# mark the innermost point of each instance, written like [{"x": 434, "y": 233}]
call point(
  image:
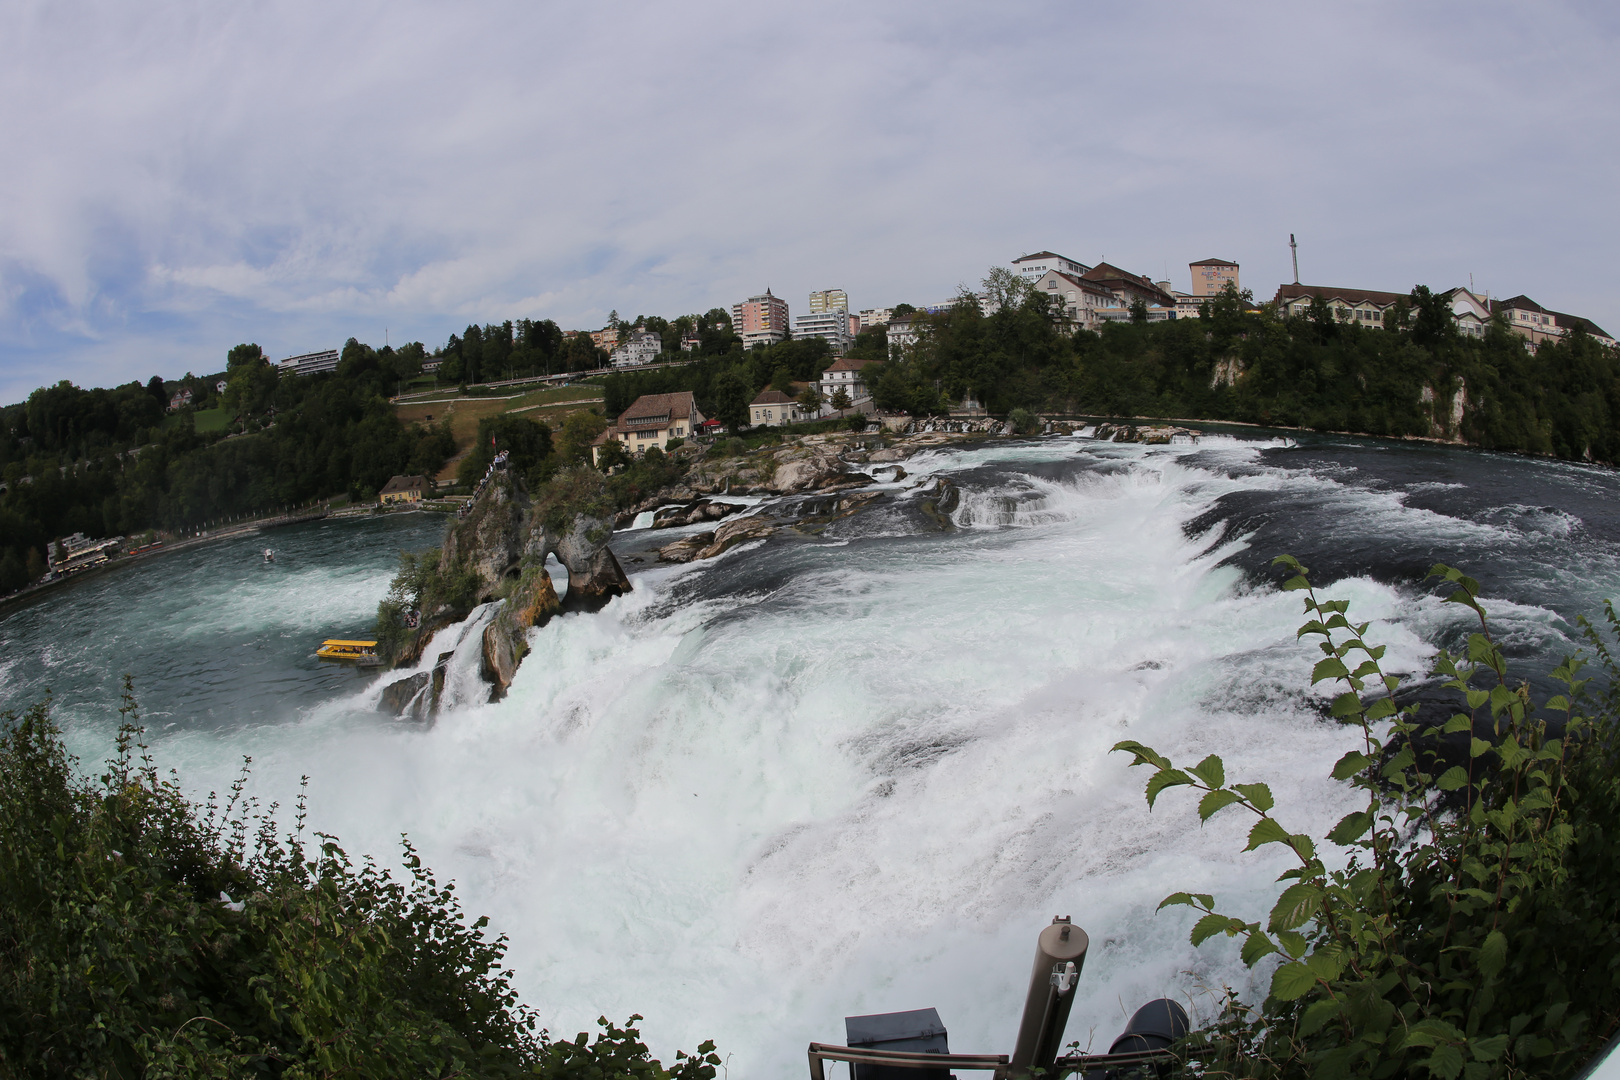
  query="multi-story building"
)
[
  {"x": 1129, "y": 287},
  {"x": 311, "y": 363},
  {"x": 760, "y": 320},
  {"x": 606, "y": 339},
  {"x": 1366, "y": 307},
  {"x": 871, "y": 317},
  {"x": 652, "y": 420},
  {"x": 846, "y": 374},
  {"x": 1079, "y": 300},
  {"x": 831, "y": 326},
  {"x": 1210, "y": 276},
  {"x": 902, "y": 332},
  {"x": 641, "y": 347},
  {"x": 829, "y": 300},
  {"x": 1535, "y": 323},
  {"x": 772, "y": 408},
  {"x": 1034, "y": 267}
]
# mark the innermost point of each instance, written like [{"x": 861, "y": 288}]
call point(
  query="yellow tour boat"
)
[{"x": 363, "y": 653}]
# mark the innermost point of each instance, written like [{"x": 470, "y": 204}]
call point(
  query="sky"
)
[{"x": 181, "y": 177}]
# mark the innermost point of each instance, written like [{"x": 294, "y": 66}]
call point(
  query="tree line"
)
[{"x": 114, "y": 462}]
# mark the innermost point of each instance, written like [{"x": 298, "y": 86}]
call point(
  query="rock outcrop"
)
[{"x": 497, "y": 550}]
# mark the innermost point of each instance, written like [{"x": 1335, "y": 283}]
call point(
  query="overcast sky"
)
[{"x": 183, "y": 177}]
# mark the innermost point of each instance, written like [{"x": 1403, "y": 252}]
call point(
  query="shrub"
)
[
  {"x": 142, "y": 935},
  {"x": 1023, "y": 422},
  {"x": 1474, "y": 927}
]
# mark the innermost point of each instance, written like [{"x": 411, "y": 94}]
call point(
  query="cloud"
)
[{"x": 185, "y": 176}]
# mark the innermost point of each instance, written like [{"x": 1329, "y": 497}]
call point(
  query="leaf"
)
[
  {"x": 1330, "y": 668},
  {"x": 1346, "y": 704},
  {"x": 1294, "y": 584},
  {"x": 1295, "y": 906},
  {"x": 1488, "y": 1049},
  {"x": 1446, "y": 1061},
  {"x": 1318, "y": 1014},
  {"x": 1266, "y": 831},
  {"x": 1351, "y": 827},
  {"x": 1210, "y": 925},
  {"x": 1293, "y": 943},
  {"x": 1327, "y": 964},
  {"x": 1176, "y": 898},
  {"x": 1145, "y": 755},
  {"x": 1210, "y": 771},
  {"x": 1476, "y": 747},
  {"x": 1453, "y": 778},
  {"x": 1215, "y": 801},
  {"x": 1259, "y": 795},
  {"x": 1493, "y": 954},
  {"x": 1162, "y": 779},
  {"x": 1291, "y": 982},
  {"x": 1257, "y": 947},
  {"x": 1458, "y": 722},
  {"x": 1350, "y": 764}
]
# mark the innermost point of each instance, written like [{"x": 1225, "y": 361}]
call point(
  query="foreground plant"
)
[
  {"x": 142, "y": 935},
  {"x": 1474, "y": 928}
]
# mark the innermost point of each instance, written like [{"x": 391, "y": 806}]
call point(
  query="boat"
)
[
  {"x": 269, "y": 556},
  {"x": 361, "y": 653}
]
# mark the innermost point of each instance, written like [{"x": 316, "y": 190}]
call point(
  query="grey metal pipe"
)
[{"x": 1060, "y": 953}]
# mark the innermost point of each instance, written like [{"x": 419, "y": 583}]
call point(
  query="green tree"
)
[{"x": 731, "y": 394}]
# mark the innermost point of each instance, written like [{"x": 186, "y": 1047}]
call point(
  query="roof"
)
[
  {"x": 648, "y": 406},
  {"x": 768, "y": 396},
  {"x": 1521, "y": 301},
  {"x": 1106, "y": 272},
  {"x": 346, "y": 641},
  {"x": 1331, "y": 292},
  {"x": 1088, "y": 286},
  {"x": 1570, "y": 322},
  {"x": 1213, "y": 262},
  {"x": 1047, "y": 255},
  {"x": 404, "y": 483},
  {"x": 850, "y": 363}
]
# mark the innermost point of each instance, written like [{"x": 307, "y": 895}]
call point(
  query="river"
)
[{"x": 856, "y": 771}]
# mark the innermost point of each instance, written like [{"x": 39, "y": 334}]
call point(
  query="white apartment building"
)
[
  {"x": 1034, "y": 267},
  {"x": 871, "y": 317},
  {"x": 772, "y": 408},
  {"x": 902, "y": 332},
  {"x": 831, "y": 326},
  {"x": 641, "y": 347},
  {"x": 311, "y": 363},
  {"x": 845, "y": 374}
]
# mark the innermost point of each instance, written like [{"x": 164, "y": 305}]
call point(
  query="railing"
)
[{"x": 902, "y": 1059}]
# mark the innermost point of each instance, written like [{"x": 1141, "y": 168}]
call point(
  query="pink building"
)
[{"x": 761, "y": 320}]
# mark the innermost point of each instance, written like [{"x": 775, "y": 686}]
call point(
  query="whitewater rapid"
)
[{"x": 857, "y": 772}]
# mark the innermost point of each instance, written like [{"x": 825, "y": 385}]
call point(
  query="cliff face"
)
[{"x": 497, "y": 551}]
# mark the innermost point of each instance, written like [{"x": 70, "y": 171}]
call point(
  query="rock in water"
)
[
  {"x": 501, "y": 655},
  {"x": 735, "y": 532},
  {"x": 397, "y": 696},
  {"x": 490, "y": 540},
  {"x": 686, "y": 548}
]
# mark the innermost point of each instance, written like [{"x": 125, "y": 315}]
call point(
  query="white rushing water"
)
[{"x": 859, "y": 773}]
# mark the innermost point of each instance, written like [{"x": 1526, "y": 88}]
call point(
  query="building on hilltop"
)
[
  {"x": 760, "y": 320},
  {"x": 1210, "y": 276},
  {"x": 772, "y": 408},
  {"x": 651, "y": 420},
  {"x": 833, "y": 327},
  {"x": 870, "y": 317},
  {"x": 641, "y": 347},
  {"x": 1078, "y": 300},
  {"x": 849, "y": 375},
  {"x": 1366, "y": 307},
  {"x": 1129, "y": 287},
  {"x": 311, "y": 363},
  {"x": 606, "y": 339},
  {"x": 1034, "y": 267},
  {"x": 829, "y": 300},
  {"x": 1536, "y": 324}
]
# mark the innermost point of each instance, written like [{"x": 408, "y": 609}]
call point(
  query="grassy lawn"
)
[
  {"x": 542, "y": 406},
  {"x": 211, "y": 420}
]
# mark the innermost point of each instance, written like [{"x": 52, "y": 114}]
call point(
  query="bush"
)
[
  {"x": 1023, "y": 422},
  {"x": 857, "y": 422},
  {"x": 1474, "y": 929},
  {"x": 142, "y": 935}
]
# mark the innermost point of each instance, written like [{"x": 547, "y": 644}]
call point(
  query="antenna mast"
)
[{"x": 1293, "y": 247}]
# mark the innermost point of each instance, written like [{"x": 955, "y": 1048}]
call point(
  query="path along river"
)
[{"x": 853, "y": 772}]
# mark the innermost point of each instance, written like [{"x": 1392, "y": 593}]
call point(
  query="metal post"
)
[{"x": 1060, "y": 953}]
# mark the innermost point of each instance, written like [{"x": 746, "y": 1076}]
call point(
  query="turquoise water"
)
[
  {"x": 216, "y": 638},
  {"x": 857, "y": 770}
]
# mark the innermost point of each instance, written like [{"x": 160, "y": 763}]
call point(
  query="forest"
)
[{"x": 114, "y": 462}]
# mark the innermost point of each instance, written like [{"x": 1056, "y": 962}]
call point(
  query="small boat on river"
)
[{"x": 360, "y": 653}]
